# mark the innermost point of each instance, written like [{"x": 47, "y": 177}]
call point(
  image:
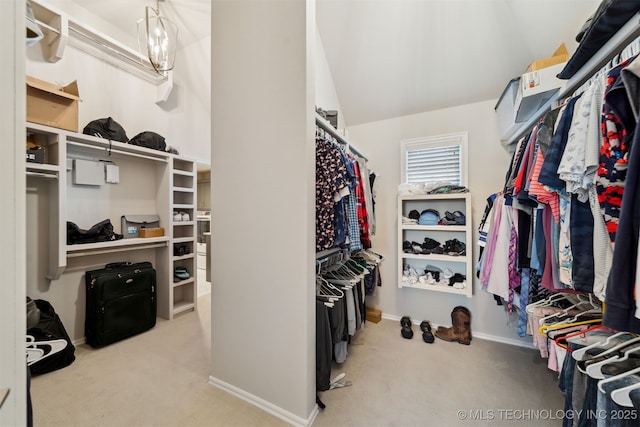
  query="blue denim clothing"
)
[
  {"x": 565, "y": 383},
  {"x": 610, "y": 414}
]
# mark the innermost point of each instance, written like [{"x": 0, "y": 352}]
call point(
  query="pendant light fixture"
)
[{"x": 157, "y": 39}]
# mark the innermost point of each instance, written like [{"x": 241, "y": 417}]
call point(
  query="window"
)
[{"x": 433, "y": 159}]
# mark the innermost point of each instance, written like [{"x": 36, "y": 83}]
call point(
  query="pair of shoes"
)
[
  {"x": 180, "y": 250},
  {"x": 435, "y": 272},
  {"x": 456, "y": 278},
  {"x": 455, "y": 247},
  {"x": 412, "y": 247},
  {"x": 181, "y": 216},
  {"x": 432, "y": 246},
  {"x": 460, "y": 285},
  {"x": 181, "y": 273},
  {"x": 460, "y": 331},
  {"x": 427, "y": 279},
  {"x": 427, "y": 335},
  {"x": 407, "y": 327},
  {"x": 454, "y": 218}
]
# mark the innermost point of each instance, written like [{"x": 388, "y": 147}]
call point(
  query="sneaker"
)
[
  {"x": 447, "y": 274},
  {"x": 454, "y": 218},
  {"x": 181, "y": 273},
  {"x": 177, "y": 216},
  {"x": 455, "y": 247},
  {"x": 456, "y": 278},
  {"x": 460, "y": 285},
  {"x": 185, "y": 216},
  {"x": 430, "y": 243}
]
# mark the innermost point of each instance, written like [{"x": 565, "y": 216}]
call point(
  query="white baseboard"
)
[
  {"x": 269, "y": 407},
  {"x": 481, "y": 335}
]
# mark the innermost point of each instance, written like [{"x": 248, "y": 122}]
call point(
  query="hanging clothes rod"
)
[
  {"x": 326, "y": 126},
  {"x": 616, "y": 44}
]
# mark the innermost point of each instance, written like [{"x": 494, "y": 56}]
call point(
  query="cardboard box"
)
[
  {"x": 559, "y": 56},
  {"x": 374, "y": 315},
  {"x": 151, "y": 232},
  {"x": 51, "y": 105},
  {"x": 536, "y": 88}
]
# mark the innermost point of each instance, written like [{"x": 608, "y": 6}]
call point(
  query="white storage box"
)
[
  {"x": 536, "y": 88},
  {"x": 505, "y": 108}
]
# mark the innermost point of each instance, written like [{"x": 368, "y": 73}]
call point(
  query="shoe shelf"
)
[
  {"x": 434, "y": 227},
  {"x": 444, "y": 223},
  {"x": 436, "y": 288},
  {"x": 182, "y": 296},
  {"x": 437, "y": 257}
]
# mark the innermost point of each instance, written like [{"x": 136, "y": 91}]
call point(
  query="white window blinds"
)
[
  {"x": 435, "y": 159},
  {"x": 434, "y": 164}
]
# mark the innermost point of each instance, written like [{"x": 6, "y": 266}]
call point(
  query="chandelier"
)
[{"x": 157, "y": 39}]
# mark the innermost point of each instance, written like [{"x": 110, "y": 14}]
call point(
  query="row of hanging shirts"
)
[{"x": 554, "y": 226}]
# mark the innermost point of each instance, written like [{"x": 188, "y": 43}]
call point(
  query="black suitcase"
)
[{"x": 121, "y": 302}]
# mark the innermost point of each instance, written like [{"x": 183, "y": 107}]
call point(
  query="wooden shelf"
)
[
  {"x": 183, "y": 189},
  {"x": 436, "y": 257},
  {"x": 437, "y": 288},
  {"x": 87, "y": 249},
  {"x": 177, "y": 223},
  {"x": 182, "y": 306},
  {"x": 434, "y": 227},
  {"x": 183, "y": 206},
  {"x": 187, "y": 256},
  {"x": 183, "y": 173},
  {"x": 183, "y": 282}
]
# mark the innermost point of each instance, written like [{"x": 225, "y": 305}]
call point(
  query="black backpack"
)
[
  {"x": 149, "y": 139},
  {"x": 107, "y": 129}
]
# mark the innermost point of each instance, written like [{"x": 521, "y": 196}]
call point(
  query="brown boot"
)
[{"x": 461, "y": 329}]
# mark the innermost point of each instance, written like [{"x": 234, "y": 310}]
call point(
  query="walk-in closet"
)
[{"x": 320, "y": 212}]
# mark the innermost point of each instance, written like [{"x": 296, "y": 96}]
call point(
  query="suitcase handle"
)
[{"x": 118, "y": 264}]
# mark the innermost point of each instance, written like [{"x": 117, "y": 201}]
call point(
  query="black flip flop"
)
[
  {"x": 407, "y": 327},
  {"x": 427, "y": 335}
]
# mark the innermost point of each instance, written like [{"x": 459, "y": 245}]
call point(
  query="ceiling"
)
[{"x": 390, "y": 58}]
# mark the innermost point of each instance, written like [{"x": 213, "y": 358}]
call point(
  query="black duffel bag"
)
[
  {"x": 49, "y": 337},
  {"x": 149, "y": 139},
  {"x": 100, "y": 232}
]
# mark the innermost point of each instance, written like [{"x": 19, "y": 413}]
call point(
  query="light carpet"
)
[{"x": 159, "y": 378}]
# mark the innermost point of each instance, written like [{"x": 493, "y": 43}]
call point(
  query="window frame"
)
[{"x": 438, "y": 141}]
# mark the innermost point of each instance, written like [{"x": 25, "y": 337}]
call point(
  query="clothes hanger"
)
[
  {"x": 621, "y": 395},
  {"x": 579, "y": 353},
  {"x": 564, "y": 312},
  {"x": 563, "y": 340},
  {"x": 613, "y": 349},
  {"x": 547, "y": 301},
  {"x": 594, "y": 370},
  {"x": 543, "y": 329},
  {"x": 616, "y": 378}
]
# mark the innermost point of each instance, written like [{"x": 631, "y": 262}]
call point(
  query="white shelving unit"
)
[
  {"x": 151, "y": 182},
  {"x": 184, "y": 293},
  {"x": 416, "y": 233}
]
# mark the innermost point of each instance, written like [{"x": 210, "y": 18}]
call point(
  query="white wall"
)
[
  {"x": 13, "y": 372},
  {"x": 326, "y": 95},
  {"x": 487, "y": 166},
  {"x": 262, "y": 179}
]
